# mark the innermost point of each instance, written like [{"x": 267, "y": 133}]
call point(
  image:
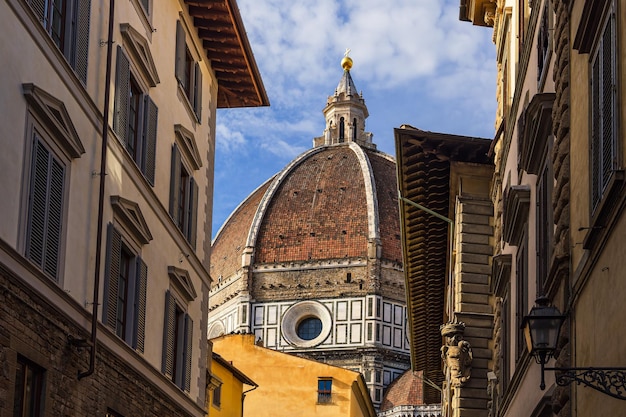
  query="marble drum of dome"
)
[{"x": 306, "y": 324}]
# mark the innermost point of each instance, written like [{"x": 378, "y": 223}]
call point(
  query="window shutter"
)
[
  {"x": 80, "y": 39},
  {"x": 122, "y": 95},
  {"x": 188, "y": 350},
  {"x": 175, "y": 183},
  {"x": 197, "y": 94},
  {"x": 607, "y": 102},
  {"x": 193, "y": 212},
  {"x": 181, "y": 46},
  {"x": 150, "y": 135},
  {"x": 169, "y": 331},
  {"x": 112, "y": 274},
  {"x": 140, "y": 304},
  {"x": 55, "y": 211},
  {"x": 595, "y": 133},
  {"x": 39, "y": 7},
  {"x": 45, "y": 209}
]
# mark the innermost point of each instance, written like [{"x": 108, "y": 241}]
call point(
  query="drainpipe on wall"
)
[
  {"x": 243, "y": 396},
  {"x": 103, "y": 160}
]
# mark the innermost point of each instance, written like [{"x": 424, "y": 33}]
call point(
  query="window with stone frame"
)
[
  {"x": 30, "y": 380},
  {"x": 184, "y": 190},
  {"x": 125, "y": 288},
  {"x": 544, "y": 42},
  {"x": 135, "y": 117},
  {"x": 67, "y": 23},
  {"x": 52, "y": 143},
  {"x": 521, "y": 300},
  {"x": 177, "y": 342},
  {"x": 604, "y": 144},
  {"x": 545, "y": 226},
  {"x": 188, "y": 72}
]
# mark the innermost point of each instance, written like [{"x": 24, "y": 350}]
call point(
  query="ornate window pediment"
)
[
  {"x": 138, "y": 47},
  {"x": 515, "y": 216},
  {"x": 129, "y": 214},
  {"x": 187, "y": 145},
  {"x": 537, "y": 129},
  {"x": 181, "y": 280},
  {"x": 55, "y": 117}
]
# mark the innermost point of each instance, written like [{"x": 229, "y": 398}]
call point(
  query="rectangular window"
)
[
  {"x": 217, "y": 396},
  {"x": 188, "y": 72},
  {"x": 604, "y": 153},
  {"x": 29, "y": 389},
  {"x": 324, "y": 390},
  {"x": 67, "y": 23},
  {"x": 545, "y": 227},
  {"x": 183, "y": 198},
  {"x": 177, "y": 343},
  {"x": 135, "y": 118},
  {"x": 522, "y": 294},
  {"x": 126, "y": 277},
  {"x": 45, "y": 209}
]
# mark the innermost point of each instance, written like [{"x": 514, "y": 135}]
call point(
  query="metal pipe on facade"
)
[{"x": 103, "y": 161}]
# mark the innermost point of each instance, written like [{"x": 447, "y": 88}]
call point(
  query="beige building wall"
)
[{"x": 49, "y": 92}]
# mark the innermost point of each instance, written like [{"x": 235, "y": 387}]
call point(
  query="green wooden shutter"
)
[
  {"x": 193, "y": 213},
  {"x": 197, "y": 93},
  {"x": 150, "y": 137},
  {"x": 181, "y": 51},
  {"x": 175, "y": 183},
  {"x": 112, "y": 274},
  {"x": 122, "y": 95},
  {"x": 140, "y": 304},
  {"x": 169, "y": 332},
  {"x": 80, "y": 39},
  {"x": 45, "y": 209},
  {"x": 188, "y": 351}
]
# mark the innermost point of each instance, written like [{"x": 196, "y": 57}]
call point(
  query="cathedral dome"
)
[
  {"x": 332, "y": 203},
  {"x": 311, "y": 261}
]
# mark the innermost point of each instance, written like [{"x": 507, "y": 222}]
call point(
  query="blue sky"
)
[{"x": 414, "y": 62}]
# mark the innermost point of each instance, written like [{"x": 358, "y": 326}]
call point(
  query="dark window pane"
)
[{"x": 309, "y": 328}]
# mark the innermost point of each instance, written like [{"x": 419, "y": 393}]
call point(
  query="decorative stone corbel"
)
[
  {"x": 456, "y": 354},
  {"x": 490, "y": 13}
]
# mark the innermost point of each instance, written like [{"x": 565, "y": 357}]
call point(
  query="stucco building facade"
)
[
  {"x": 558, "y": 193},
  {"x": 289, "y": 385},
  {"x": 108, "y": 137}
]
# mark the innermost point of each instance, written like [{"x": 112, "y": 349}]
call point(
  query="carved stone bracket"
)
[{"x": 456, "y": 354}]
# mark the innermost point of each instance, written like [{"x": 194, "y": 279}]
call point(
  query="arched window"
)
[
  {"x": 354, "y": 129},
  {"x": 342, "y": 130}
]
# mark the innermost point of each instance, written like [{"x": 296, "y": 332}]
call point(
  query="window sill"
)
[{"x": 145, "y": 19}]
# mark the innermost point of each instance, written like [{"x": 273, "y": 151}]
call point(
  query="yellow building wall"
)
[
  {"x": 231, "y": 391},
  {"x": 288, "y": 384}
]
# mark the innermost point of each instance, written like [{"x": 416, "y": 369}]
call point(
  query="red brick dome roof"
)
[{"x": 331, "y": 202}]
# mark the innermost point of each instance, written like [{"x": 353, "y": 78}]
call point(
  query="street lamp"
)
[{"x": 541, "y": 330}]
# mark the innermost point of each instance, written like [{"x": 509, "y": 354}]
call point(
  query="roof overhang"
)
[
  {"x": 225, "y": 42},
  {"x": 424, "y": 161}
]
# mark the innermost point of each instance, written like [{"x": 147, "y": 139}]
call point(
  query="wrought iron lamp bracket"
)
[{"x": 610, "y": 381}]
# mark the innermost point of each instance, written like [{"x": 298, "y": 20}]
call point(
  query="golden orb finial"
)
[{"x": 346, "y": 62}]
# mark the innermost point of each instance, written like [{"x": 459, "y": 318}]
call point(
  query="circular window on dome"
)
[
  {"x": 306, "y": 324},
  {"x": 309, "y": 328}
]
